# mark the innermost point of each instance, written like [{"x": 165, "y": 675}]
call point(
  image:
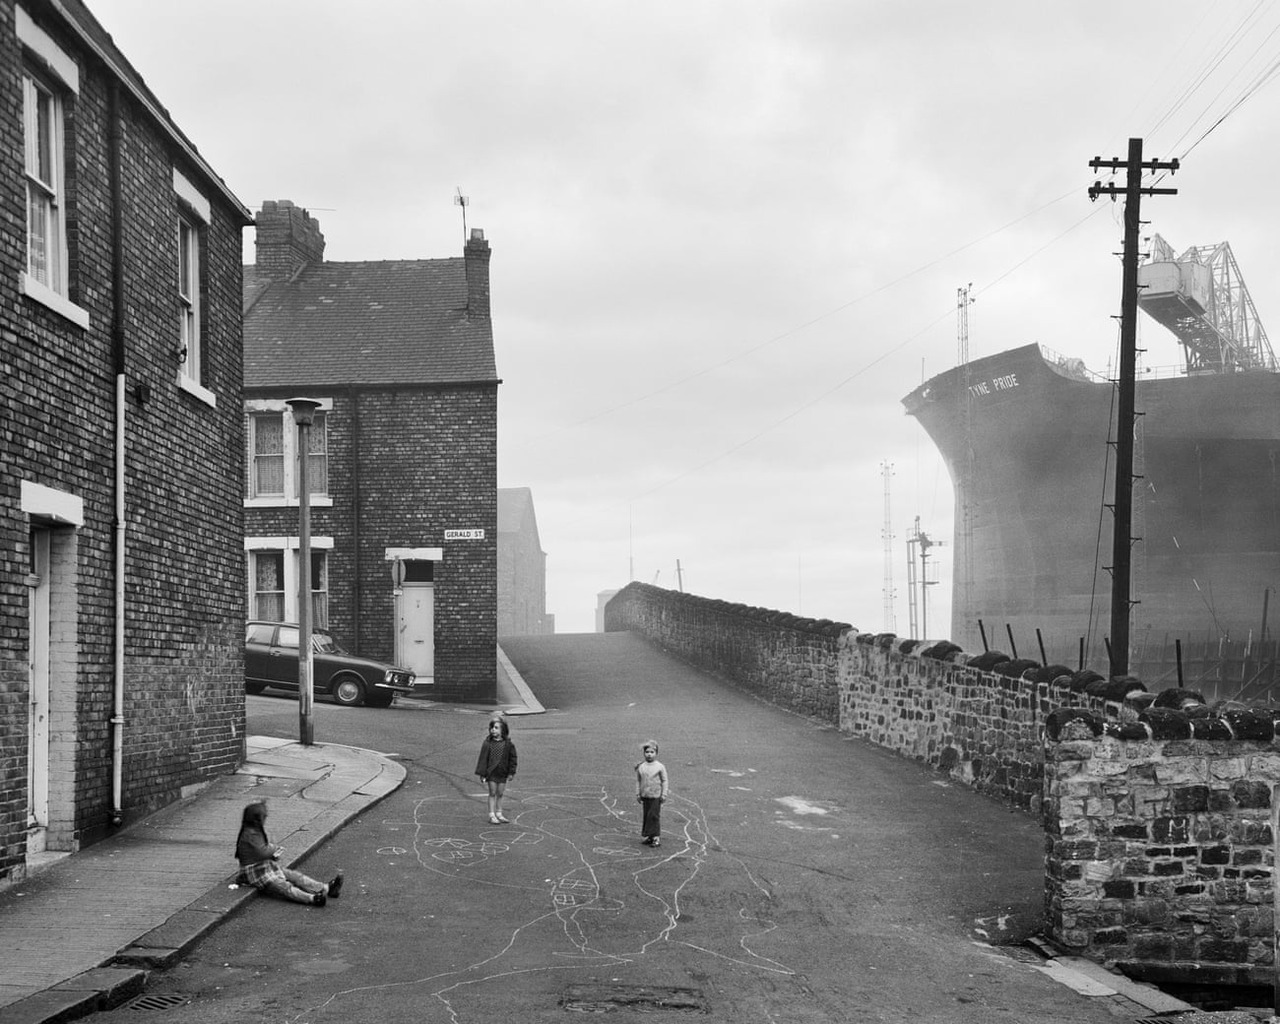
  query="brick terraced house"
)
[
  {"x": 121, "y": 519},
  {"x": 403, "y": 453}
]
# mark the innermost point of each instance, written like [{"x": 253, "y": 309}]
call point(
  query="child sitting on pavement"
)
[{"x": 260, "y": 867}]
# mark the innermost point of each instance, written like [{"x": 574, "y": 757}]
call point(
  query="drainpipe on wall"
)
[
  {"x": 357, "y": 563},
  {"x": 118, "y": 346}
]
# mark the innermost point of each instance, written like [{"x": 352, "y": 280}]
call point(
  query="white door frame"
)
[{"x": 38, "y": 627}]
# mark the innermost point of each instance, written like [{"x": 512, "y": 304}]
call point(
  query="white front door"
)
[
  {"x": 38, "y": 689},
  {"x": 415, "y": 632}
]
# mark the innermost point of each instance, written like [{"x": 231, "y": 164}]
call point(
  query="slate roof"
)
[
  {"x": 82, "y": 21},
  {"x": 386, "y": 322}
]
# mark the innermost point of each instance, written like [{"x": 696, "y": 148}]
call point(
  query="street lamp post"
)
[{"x": 304, "y": 415}]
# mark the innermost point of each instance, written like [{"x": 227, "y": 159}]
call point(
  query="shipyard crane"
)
[{"x": 1201, "y": 297}]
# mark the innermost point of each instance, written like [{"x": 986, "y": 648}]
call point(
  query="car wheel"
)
[
  {"x": 348, "y": 691},
  {"x": 380, "y": 698},
  {"x": 254, "y": 688}
]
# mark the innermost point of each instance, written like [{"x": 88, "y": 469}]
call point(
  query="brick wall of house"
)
[
  {"x": 428, "y": 463},
  {"x": 184, "y": 709},
  {"x": 421, "y": 461}
]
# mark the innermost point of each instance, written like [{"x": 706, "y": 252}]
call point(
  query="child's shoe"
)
[
  {"x": 319, "y": 899},
  {"x": 656, "y": 841},
  {"x": 335, "y": 887},
  {"x": 493, "y": 820},
  {"x": 502, "y": 818}
]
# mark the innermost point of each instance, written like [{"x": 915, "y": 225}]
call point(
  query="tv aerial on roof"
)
[{"x": 464, "y": 201}]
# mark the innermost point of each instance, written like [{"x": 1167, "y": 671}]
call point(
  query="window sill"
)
[
  {"x": 317, "y": 501},
  {"x": 46, "y": 296},
  {"x": 197, "y": 390}
]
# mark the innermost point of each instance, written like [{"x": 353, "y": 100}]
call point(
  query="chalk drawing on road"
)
[
  {"x": 984, "y": 926},
  {"x": 798, "y": 826},
  {"x": 392, "y": 851},
  {"x": 800, "y": 805},
  {"x": 606, "y": 901}
]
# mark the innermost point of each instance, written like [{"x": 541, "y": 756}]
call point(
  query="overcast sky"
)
[{"x": 728, "y": 235}]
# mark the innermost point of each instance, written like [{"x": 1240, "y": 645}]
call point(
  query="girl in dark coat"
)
[
  {"x": 260, "y": 864},
  {"x": 497, "y": 764}
]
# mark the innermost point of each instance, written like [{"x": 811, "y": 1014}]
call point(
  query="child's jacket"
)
[{"x": 651, "y": 779}]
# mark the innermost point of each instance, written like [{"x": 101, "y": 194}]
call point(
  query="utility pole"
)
[
  {"x": 1122, "y": 539},
  {"x": 304, "y": 415}
]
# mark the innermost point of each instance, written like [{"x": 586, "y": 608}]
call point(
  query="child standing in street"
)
[
  {"x": 497, "y": 765},
  {"x": 651, "y": 791}
]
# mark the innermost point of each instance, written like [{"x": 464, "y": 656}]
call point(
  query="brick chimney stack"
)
[
  {"x": 286, "y": 239},
  {"x": 476, "y": 252}
]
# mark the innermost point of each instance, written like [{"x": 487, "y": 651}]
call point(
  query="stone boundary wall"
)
[
  {"x": 788, "y": 660},
  {"x": 1159, "y": 838},
  {"x": 979, "y": 718},
  {"x": 1156, "y": 807}
]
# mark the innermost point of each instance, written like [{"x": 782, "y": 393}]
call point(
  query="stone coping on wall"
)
[
  {"x": 765, "y": 616},
  {"x": 1122, "y": 707}
]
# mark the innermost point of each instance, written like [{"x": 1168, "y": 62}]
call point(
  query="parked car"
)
[{"x": 271, "y": 660}]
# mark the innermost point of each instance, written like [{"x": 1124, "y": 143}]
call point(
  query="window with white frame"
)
[
  {"x": 273, "y": 582},
  {"x": 273, "y": 455},
  {"x": 194, "y": 216},
  {"x": 266, "y": 585},
  {"x": 320, "y": 589},
  {"x": 42, "y": 135},
  {"x": 189, "y": 337},
  {"x": 50, "y": 81}
]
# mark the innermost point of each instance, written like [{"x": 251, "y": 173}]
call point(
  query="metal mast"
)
[
  {"x": 965, "y": 484},
  {"x": 890, "y": 620},
  {"x": 918, "y": 544}
]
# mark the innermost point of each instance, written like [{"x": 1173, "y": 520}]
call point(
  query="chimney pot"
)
[{"x": 476, "y": 260}]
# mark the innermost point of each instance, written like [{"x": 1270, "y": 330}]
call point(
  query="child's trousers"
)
[{"x": 652, "y": 823}]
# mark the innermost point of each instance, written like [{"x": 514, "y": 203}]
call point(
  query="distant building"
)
[
  {"x": 522, "y": 567},
  {"x": 121, "y": 588},
  {"x": 602, "y": 599},
  {"x": 403, "y": 477}
]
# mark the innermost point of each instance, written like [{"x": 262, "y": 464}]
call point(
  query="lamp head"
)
[{"x": 304, "y": 410}]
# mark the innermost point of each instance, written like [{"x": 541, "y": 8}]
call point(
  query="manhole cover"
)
[
  {"x": 601, "y": 998},
  {"x": 155, "y": 1002}
]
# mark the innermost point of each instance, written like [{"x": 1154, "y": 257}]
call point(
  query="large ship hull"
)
[{"x": 1025, "y": 440}]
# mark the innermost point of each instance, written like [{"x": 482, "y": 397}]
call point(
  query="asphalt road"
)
[{"x": 804, "y": 876}]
